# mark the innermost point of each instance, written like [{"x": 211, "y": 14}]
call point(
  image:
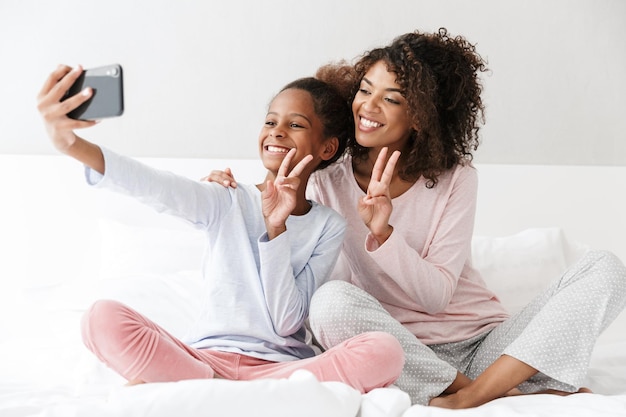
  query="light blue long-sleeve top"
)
[{"x": 257, "y": 291}]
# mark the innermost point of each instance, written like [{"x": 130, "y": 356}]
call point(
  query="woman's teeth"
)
[{"x": 369, "y": 123}]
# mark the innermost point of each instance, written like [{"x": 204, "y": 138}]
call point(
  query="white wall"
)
[{"x": 199, "y": 74}]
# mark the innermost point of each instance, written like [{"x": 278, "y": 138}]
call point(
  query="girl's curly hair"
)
[{"x": 438, "y": 75}]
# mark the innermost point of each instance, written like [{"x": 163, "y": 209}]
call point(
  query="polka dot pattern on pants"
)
[{"x": 555, "y": 333}]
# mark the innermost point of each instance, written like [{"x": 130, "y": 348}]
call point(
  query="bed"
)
[{"x": 64, "y": 245}]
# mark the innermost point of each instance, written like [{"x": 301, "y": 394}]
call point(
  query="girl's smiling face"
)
[
  {"x": 380, "y": 110},
  {"x": 291, "y": 122}
]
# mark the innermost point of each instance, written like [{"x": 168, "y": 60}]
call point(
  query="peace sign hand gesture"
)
[
  {"x": 280, "y": 196},
  {"x": 375, "y": 207}
]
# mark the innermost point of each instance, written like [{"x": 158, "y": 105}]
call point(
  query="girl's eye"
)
[
  {"x": 269, "y": 123},
  {"x": 295, "y": 125}
]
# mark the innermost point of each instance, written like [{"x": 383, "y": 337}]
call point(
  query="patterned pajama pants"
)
[{"x": 554, "y": 334}]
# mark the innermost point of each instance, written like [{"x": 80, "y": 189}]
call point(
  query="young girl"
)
[
  {"x": 269, "y": 249},
  {"x": 408, "y": 191}
]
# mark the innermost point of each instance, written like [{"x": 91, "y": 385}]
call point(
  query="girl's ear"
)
[{"x": 330, "y": 148}]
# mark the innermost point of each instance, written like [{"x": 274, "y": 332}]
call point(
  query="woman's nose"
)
[{"x": 370, "y": 103}]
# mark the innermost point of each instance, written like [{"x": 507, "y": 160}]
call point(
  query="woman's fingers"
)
[
  {"x": 382, "y": 173},
  {"x": 374, "y": 201},
  {"x": 379, "y": 164},
  {"x": 225, "y": 178},
  {"x": 389, "y": 168}
]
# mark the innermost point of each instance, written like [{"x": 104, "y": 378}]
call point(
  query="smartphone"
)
[{"x": 108, "y": 93}]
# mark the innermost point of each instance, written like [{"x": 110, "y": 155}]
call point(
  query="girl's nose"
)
[{"x": 277, "y": 132}]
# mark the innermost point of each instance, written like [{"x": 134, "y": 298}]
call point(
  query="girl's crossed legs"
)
[{"x": 142, "y": 351}]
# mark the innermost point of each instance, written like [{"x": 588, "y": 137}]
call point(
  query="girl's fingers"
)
[
  {"x": 49, "y": 99},
  {"x": 288, "y": 182},
  {"x": 284, "y": 166},
  {"x": 55, "y": 109},
  {"x": 297, "y": 170},
  {"x": 76, "y": 100},
  {"x": 79, "y": 124},
  {"x": 59, "y": 82},
  {"x": 64, "y": 84},
  {"x": 53, "y": 79}
]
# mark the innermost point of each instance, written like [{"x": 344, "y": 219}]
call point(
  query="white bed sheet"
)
[
  {"x": 52, "y": 374},
  {"x": 46, "y": 371}
]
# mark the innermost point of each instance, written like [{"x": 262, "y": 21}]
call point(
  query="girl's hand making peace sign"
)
[
  {"x": 279, "y": 197},
  {"x": 375, "y": 207}
]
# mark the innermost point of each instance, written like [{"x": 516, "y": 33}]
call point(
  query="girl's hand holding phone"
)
[{"x": 54, "y": 111}]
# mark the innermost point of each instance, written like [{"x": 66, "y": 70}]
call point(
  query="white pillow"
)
[
  {"x": 129, "y": 250},
  {"x": 519, "y": 266}
]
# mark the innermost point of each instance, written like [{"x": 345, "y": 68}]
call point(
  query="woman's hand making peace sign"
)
[{"x": 375, "y": 207}]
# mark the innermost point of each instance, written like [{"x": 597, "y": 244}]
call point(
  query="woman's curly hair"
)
[{"x": 438, "y": 75}]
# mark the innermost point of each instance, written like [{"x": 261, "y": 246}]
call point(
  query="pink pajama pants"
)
[{"x": 138, "y": 349}]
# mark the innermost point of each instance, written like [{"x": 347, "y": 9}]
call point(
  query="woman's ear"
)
[{"x": 330, "y": 148}]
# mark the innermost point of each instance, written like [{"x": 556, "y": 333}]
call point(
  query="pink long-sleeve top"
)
[{"x": 423, "y": 274}]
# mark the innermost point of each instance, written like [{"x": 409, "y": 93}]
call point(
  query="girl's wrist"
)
[{"x": 275, "y": 231}]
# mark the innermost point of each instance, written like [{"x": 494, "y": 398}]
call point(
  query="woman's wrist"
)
[{"x": 382, "y": 236}]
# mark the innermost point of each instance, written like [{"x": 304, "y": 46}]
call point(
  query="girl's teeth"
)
[{"x": 276, "y": 149}]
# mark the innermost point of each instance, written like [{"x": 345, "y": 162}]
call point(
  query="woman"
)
[{"x": 405, "y": 266}]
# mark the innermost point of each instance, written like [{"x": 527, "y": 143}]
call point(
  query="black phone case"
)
[{"x": 108, "y": 93}]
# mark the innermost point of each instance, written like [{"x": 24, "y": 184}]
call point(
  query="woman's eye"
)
[
  {"x": 363, "y": 91},
  {"x": 392, "y": 101}
]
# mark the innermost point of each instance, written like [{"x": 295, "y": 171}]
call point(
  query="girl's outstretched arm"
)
[{"x": 59, "y": 126}]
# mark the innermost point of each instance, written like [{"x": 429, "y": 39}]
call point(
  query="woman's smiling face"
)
[{"x": 380, "y": 111}]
